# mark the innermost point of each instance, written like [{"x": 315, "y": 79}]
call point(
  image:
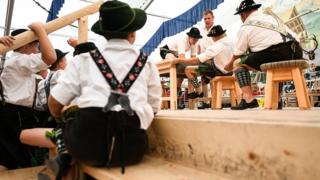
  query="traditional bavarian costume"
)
[
  {"x": 17, "y": 105},
  {"x": 262, "y": 39},
  {"x": 179, "y": 44}
]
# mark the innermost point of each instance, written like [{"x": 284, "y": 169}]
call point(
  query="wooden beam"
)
[
  {"x": 83, "y": 30},
  {"x": 29, "y": 36}
]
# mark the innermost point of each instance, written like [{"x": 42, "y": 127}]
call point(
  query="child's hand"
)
[
  {"x": 7, "y": 40},
  {"x": 229, "y": 66},
  {"x": 36, "y": 26},
  {"x": 175, "y": 61},
  {"x": 72, "y": 42}
]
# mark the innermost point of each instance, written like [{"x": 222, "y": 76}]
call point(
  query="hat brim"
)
[
  {"x": 213, "y": 35},
  {"x": 256, "y": 6},
  {"x": 137, "y": 23},
  {"x": 194, "y": 36},
  {"x": 62, "y": 55}
]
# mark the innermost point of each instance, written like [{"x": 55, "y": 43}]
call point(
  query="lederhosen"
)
[
  {"x": 208, "y": 70},
  {"x": 102, "y": 137},
  {"x": 286, "y": 50},
  {"x": 15, "y": 118}
]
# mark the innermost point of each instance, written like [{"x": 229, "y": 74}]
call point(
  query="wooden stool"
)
[
  {"x": 220, "y": 83},
  {"x": 285, "y": 71}
]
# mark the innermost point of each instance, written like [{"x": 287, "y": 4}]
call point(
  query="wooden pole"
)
[
  {"x": 29, "y": 36},
  {"x": 83, "y": 30}
]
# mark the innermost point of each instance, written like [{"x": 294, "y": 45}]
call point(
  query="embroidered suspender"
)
[
  {"x": 266, "y": 25},
  {"x": 118, "y": 95}
]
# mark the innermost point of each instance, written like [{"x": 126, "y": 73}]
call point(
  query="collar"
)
[
  {"x": 209, "y": 28},
  {"x": 252, "y": 15},
  {"x": 120, "y": 44},
  {"x": 15, "y": 53}
]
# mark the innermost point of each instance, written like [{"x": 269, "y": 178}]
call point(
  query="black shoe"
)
[
  {"x": 204, "y": 106},
  {"x": 181, "y": 106},
  {"x": 194, "y": 95},
  {"x": 244, "y": 105},
  {"x": 59, "y": 167}
]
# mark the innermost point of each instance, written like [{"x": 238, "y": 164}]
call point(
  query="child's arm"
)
[
  {"x": 55, "y": 107},
  {"x": 48, "y": 54}
]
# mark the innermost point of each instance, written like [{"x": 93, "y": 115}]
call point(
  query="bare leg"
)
[
  {"x": 247, "y": 93},
  {"x": 179, "y": 82},
  {"x": 190, "y": 72},
  {"x": 36, "y": 137}
]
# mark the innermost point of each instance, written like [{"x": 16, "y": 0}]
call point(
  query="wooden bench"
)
[
  {"x": 221, "y": 83},
  {"x": 150, "y": 169},
  {"x": 285, "y": 71}
]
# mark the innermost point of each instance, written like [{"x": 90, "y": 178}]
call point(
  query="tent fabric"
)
[
  {"x": 56, "y": 5},
  {"x": 180, "y": 23}
]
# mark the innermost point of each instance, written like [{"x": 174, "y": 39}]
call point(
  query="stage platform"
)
[
  {"x": 251, "y": 144},
  {"x": 257, "y": 115}
]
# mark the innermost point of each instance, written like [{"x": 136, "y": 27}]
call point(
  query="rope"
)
[{"x": 49, "y": 12}]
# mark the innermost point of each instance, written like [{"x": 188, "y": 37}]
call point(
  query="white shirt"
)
[
  {"x": 83, "y": 79},
  {"x": 257, "y": 38},
  {"x": 18, "y": 78},
  {"x": 42, "y": 98},
  {"x": 205, "y": 41},
  {"x": 180, "y": 43},
  {"x": 221, "y": 51}
]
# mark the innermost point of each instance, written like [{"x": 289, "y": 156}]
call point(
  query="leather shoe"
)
[{"x": 244, "y": 105}]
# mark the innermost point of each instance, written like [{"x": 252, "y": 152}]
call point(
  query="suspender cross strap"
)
[
  {"x": 266, "y": 25},
  {"x": 118, "y": 95}
]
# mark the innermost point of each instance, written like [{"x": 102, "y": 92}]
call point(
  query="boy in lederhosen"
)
[
  {"x": 117, "y": 89},
  {"x": 19, "y": 85}
]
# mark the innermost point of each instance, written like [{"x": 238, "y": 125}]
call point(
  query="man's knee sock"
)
[
  {"x": 195, "y": 83},
  {"x": 243, "y": 77},
  {"x": 56, "y": 137}
]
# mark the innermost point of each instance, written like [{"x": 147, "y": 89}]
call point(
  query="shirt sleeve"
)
[
  {"x": 242, "y": 44},
  {"x": 31, "y": 63},
  {"x": 68, "y": 86},
  {"x": 154, "y": 88},
  {"x": 210, "y": 52}
]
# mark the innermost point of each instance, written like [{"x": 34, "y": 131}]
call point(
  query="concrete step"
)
[
  {"x": 252, "y": 144},
  {"x": 151, "y": 168},
  {"x": 21, "y": 174}
]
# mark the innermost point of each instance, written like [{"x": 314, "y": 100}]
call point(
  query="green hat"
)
[{"x": 118, "y": 17}]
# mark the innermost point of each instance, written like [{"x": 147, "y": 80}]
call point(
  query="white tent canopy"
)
[{"x": 27, "y": 11}]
